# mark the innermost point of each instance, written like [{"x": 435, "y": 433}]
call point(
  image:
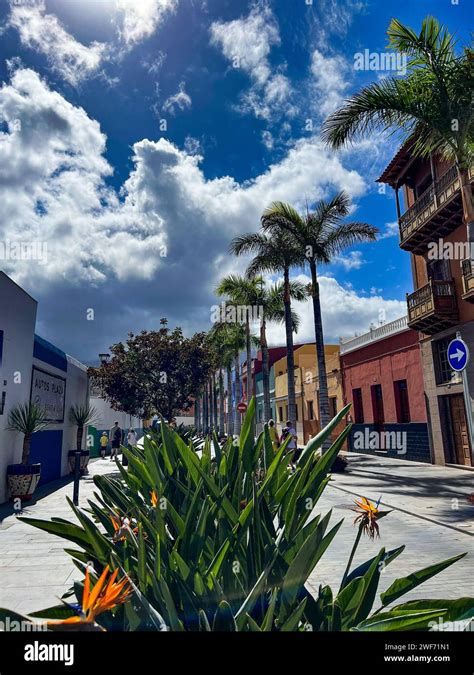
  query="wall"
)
[
  {"x": 17, "y": 322},
  {"x": 397, "y": 357}
]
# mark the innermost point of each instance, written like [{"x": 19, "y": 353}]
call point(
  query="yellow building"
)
[{"x": 307, "y": 389}]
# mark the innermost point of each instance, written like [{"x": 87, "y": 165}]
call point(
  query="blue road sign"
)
[{"x": 458, "y": 354}]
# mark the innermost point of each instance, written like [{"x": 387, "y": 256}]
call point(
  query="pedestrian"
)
[
  {"x": 275, "y": 439},
  {"x": 104, "y": 441},
  {"x": 293, "y": 444},
  {"x": 131, "y": 442},
  {"x": 116, "y": 436}
]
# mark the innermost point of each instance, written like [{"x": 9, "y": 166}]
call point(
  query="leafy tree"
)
[{"x": 155, "y": 372}]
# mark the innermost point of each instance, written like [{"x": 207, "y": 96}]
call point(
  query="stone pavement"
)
[
  {"x": 434, "y": 502},
  {"x": 34, "y": 569},
  {"x": 437, "y": 493}
]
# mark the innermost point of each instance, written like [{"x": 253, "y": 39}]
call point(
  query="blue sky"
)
[{"x": 139, "y": 138}]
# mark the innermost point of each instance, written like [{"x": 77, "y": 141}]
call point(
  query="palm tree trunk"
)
[
  {"x": 214, "y": 383},
  {"x": 467, "y": 203},
  {"x": 267, "y": 412},
  {"x": 25, "y": 456},
  {"x": 237, "y": 419},
  {"x": 80, "y": 431},
  {"x": 324, "y": 417},
  {"x": 290, "y": 358},
  {"x": 196, "y": 413},
  {"x": 205, "y": 410},
  {"x": 230, "y": 409},
  {"x": 211, "y": 403},
  {"x": 221, "y": 402},
  {"x": 249, "y": 359}
]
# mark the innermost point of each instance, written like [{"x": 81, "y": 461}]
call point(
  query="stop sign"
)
[{"x": 242, "y": 407}]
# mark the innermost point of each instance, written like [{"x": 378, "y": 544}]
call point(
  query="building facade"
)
[
  {"x": 31, "y": 368},
  {"x": 307, "y": 389},
  {"x": 442, "y": 304},
  {"x": 381, "y": 375}
]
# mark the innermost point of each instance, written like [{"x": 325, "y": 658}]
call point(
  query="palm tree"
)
[
  {"x": 242, "y": 293},
  {"x": 270, "y": 300},
  {"x": 318, "y": 237},
  {"x": 431, "y": 106},
  {"x": 80, "y": 416},
  {"x": 27, "y": 418},
  {"x": 274, "y": 254}
]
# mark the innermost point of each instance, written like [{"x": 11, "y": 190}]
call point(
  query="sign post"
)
[{"x": 458, "y": 358}]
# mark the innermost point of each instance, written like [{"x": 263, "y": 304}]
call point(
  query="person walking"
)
[
  {"x": 131, "y": 442},
  {"x": 116, "y": 436},
  {"x": 104, "y": 441},
  {"x": 293, "y": 444},
  {"x": 275, "y": 439}
]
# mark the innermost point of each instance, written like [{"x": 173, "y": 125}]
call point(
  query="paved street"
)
[{"x": 35, "y": 571}]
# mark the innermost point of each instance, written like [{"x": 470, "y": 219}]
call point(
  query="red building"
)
[{"x": 382, "y": 377}]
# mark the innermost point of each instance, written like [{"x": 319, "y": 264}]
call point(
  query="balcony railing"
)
[
  {"x": 468, "y": 280},
  {"x": 433, "y": 307},
  {"x": 434, "y": 204},
  {"x": 379, "y": 333}
]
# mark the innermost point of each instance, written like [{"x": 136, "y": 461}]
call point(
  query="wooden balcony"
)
[
  {"x": 436, "y": 213},
  {"x": 433, "y": 307},
  {"x": 468, "y": 280}
]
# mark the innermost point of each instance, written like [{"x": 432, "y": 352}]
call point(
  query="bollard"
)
[{"x": 77, "y": 476}]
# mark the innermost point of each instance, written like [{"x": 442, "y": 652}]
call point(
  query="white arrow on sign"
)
[{"x": 458, "y": 355}]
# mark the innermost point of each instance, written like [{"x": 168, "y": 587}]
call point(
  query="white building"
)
[{"x": 31, "y": 368}]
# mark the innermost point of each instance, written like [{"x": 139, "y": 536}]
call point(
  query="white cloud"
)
[
  {"x": 329, "y": 81},
  {"x": 141, "y": 18},
  {"x": 350, "y": 261},
  {"x": 247, "y": 43},
  {"x": 44, "y": 33},
  {"x": 179, "y": 101},
  {"x": 345, "y": 313},
  {"x": 391, "y": 230},
  {"x": 104, "y": 249}
]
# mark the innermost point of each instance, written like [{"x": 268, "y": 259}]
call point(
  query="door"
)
[
  {"x": 460, "y": 430},
  {"x": 377, "y": 405}
]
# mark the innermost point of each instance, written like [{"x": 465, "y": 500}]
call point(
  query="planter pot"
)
[
  {"x": 23, "y": 479},
  {"x": 85, "y": 454}
]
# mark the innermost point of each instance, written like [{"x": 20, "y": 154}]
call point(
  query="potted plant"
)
[
  {"x": 27, "y": 418},
  {"x": 80, "y": 416}
]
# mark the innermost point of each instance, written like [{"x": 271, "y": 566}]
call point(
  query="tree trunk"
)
[
  {"x": 25, "y": 457},
  {"x": 215, "y": 420},
  {"x": 205, "y": 419},
  {"x": 230, "y": 409},
  {"x": 237, "y": 419},
  {"x": 249, "y": 359},
  {"x": 221, "y": 402},
  {"x": 467, "y": 204},
  {"x": 324, "y": 417},
  {"x": 80, "y": 431},
  {"x": 289, "y": 350},
  {"x": 196, "y": 413},
  {"x": 267, "y": 411},
  {"x": 211, "y": 403}
]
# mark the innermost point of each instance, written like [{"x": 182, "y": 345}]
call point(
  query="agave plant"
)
[
  {"x": 27, "y": 418},
  {"x": 80, "y": 416},
  {"x": 209, "y": 540}
]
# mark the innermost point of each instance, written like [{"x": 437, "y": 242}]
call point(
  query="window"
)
[
  {"x": 297, "y": 408},
  {"x": 280, "y": 412},
  {"x": 332, "y": 406},
  {"x": 401, "y": 401},
  {"x": 358, "y": 406},
  {"x": 311, "y": 410},
  {"x": 440, "y": 357},
  {"x": 377, "y": 404}
]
